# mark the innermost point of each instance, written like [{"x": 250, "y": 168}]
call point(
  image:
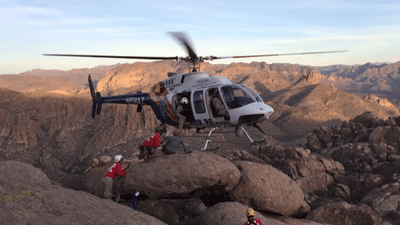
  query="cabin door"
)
[{"x": 199, "y": 108}]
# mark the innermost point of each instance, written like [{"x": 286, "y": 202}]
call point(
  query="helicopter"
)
[{"x": 240, "y": 105}]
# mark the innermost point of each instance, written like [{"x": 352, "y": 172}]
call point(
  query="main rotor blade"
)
[
  {"x": 183, "y": 39},
  {"x": 117, "y": 57},
  {"x": 269, "y": 55}
]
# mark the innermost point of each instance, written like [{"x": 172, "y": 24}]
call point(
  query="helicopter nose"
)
[
  {"x": 268, "y": 111},
  {"x": 254, "y": 113}
]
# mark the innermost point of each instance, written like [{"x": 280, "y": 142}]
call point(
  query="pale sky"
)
[{"x": 369, "y": 30}]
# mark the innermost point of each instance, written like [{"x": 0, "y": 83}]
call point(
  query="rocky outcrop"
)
[
  {"x": 358, "y": 163},
  {"x": 313, "y": 76},
  {"x": 363, "y": 128},
  {"x": 382, "y": 102},
  {"x": 343, "y": 213},
  {"x": 309, "y": 77},
  {"x": 183, "y": 175},
  {"x": 267, "y": 189},
  {"x": 312, "y": 172},
  {"x": 28, "y": 197},
  {"x": 171, "y": 176},
  {"x": 385, "y": 199}
]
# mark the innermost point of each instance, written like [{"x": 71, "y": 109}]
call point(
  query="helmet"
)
[
  {"x": 184, "y": 100},
  {"x": 118, "y": 158},
  {"x": 250, "y": 212}
]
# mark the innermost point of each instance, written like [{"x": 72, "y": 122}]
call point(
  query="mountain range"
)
[{"x": 381, "y": 79}]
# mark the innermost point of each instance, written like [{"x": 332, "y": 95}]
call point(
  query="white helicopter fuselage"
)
[{"x": 242, "y": 104}]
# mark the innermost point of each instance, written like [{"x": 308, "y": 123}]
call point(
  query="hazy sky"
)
[{"x": 370, "y": 30}]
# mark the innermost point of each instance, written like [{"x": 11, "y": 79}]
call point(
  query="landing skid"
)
[
  {"x": 205, "y": 148},
  {"x": 209, "y": 140},
  {"x": 238, "y": 142}
]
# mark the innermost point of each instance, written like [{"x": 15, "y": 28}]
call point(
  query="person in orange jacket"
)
[
  {"x": 250, "y": 218},
  {"x": 114, "y": 171}
]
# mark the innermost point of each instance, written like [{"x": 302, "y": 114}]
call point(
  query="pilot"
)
[
  {"x": 182, "y": 112},
  {"x": 219, "y": 106}
]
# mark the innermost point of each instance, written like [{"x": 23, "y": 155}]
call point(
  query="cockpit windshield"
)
[
  {"x": 236, "y": 96},
  {"x": 252, "y": 92}
]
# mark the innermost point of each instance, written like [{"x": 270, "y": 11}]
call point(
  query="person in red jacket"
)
[
  {"x": 114, "y": 171},
  {"x": 250, "y": 218},
  {"x": 150, "y": 145}
]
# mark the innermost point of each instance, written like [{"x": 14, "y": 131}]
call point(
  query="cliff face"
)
[{"x": 57, "y": 134}]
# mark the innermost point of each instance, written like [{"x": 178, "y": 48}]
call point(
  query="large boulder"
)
[
  {"x": 340, "y": 213},
  {"x": 267, "y": 189},
  {"x": 378, "y": 134},
  {"x": 315, "y": 182},
  {"x": 234, "y": 213},
  {"x": 181, "y": 176},
  {"x": 28, "y": 197}
]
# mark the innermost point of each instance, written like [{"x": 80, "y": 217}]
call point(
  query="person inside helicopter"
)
[
  {"x": 219, "y": 107},
  {"x": 184, "y": 112}
]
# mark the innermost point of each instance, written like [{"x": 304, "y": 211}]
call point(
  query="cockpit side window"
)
[
  {"x": 235, "y": 96},
  {"x": 252, "y": 92}
]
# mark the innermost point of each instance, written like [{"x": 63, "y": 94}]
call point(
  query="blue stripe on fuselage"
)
[{"x": 141, "y": 99}]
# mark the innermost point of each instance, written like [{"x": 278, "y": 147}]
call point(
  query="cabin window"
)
[
  {"x": 198, "y": 102},
  {"x": 235, "y": 96}
]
